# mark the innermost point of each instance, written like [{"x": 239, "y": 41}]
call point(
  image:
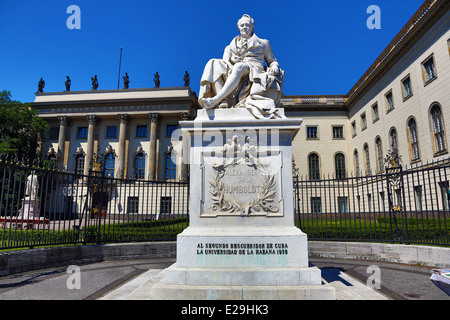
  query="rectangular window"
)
[
  {"x": 375, "y": 114},
  {"x": 141, "y": 131},
  {"x": 68, "y": 204},
  {"x": 406, "y": 88},
  {"x": 440, "y": 144},
  {"x": 448, "y": 45},
  {"x": 342, "y": 204},
  {"x": 170, "y": 129},
  {"x": 429, "y": 70},
  {"x": 363, "y": 121},
  {"x": 82, "y": 133},
  {"x": 316, "y": 205},
  {"x": 133, "y": 205},
  {"x": 139, "y": 166},
  {"x": 418, "y": 197},
  {"x": 338, "y": 132},
  {"x": 54, "y": 133},
  {"x": 110, "y": 164},
  {"x": 79, "y": 164},
  {"x": 111, "y": 132},
  {"x": 399, "y": 199},
  {"x": 354, "y": 128},
  {"x": 445, "y": 194},
  {"x": 382, "y": 205},
  {"x": 389, "y": 101},
  {"x": 312, "y": 132},
  {"x": 165, "y": 205}
]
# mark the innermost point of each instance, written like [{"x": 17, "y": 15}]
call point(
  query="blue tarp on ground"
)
[{"x": 441, "y": 278}]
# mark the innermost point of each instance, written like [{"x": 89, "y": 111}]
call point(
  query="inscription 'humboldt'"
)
[
  {"x": 242, "y": 189},
  {"x": 235, "y": 172}
]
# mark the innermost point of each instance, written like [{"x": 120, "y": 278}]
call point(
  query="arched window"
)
[
  {"x": 171, "y": 167},
  {"x": 379, "y": 150},
  {"x": 367, "y": 158},
  {"x": 339, "y": 161},
  {"x": 413, "y": 139},
  {"x": 314, "y": 166},
  {"x": 79, "y": 163},
  {"x": 139, "y": 166},
  {"x": 440, "y": 144},
  {"x": 356, "y": 162},
  {"x": 110, "y": 163}
]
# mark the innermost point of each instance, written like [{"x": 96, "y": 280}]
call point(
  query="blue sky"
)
[{"x": 324, "y": 46}]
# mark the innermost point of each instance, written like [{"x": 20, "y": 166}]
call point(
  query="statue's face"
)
[{"x": 245, "y": 27}]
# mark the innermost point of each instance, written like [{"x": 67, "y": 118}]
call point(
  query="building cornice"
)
[
  {"x": 314, "y": 103},
  {"x": 428, "y": 14}
]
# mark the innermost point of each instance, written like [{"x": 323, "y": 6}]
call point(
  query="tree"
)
[{"x": 20, "y": 128}]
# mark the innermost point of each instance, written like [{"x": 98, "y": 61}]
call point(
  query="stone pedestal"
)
[{"x": 241, "y": 243}]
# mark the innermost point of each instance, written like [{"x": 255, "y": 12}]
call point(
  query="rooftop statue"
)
[
  {"x": 187, "y": 79},
  {"x": 68, "y": 83},
  {"x": 32, "y": 185},
  {"x": 41, "y": 85},
  {"x": 126, "y": 81},
  {"x": 94, "y": 82},
  {"x": 240, "y": 79}
]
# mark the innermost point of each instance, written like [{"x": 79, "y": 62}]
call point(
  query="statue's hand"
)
[{"x": 273, "y": 71}]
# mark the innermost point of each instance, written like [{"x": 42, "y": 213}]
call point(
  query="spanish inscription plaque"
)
[{"x": 234, "y": 249}]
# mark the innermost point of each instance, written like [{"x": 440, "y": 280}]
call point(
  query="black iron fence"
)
[
  {"x": 399, "y": 205},
  {"x": 43, "y": 206}
]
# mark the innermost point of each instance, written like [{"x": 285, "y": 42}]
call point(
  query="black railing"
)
[
  {"x": 397, "y": 206},
  {"x": 42, "y": 206}
]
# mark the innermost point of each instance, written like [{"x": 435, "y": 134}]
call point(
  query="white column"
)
[{"x": 92, "y": 119}]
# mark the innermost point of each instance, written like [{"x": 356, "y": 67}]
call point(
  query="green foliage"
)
[
  {"x": 158, "y": 230},
  {"x": 20, "y": 128},
  {"x": 383, "y": 229}
]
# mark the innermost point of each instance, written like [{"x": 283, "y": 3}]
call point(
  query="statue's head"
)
[{"x": 246, "y": 25}]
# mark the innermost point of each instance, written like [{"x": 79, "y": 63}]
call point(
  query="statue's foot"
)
[{"x": 209, "y": 103}]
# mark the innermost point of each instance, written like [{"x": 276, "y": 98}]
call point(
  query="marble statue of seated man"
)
[{"x": 240, "y": 78}]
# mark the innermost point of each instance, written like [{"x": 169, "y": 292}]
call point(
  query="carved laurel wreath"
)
[{"x": 261, "y": 202}]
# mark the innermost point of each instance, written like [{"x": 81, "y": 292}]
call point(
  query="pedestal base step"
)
[
  {"x": 239, "y": 276},
  {"x": 160, "y": 291}
]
